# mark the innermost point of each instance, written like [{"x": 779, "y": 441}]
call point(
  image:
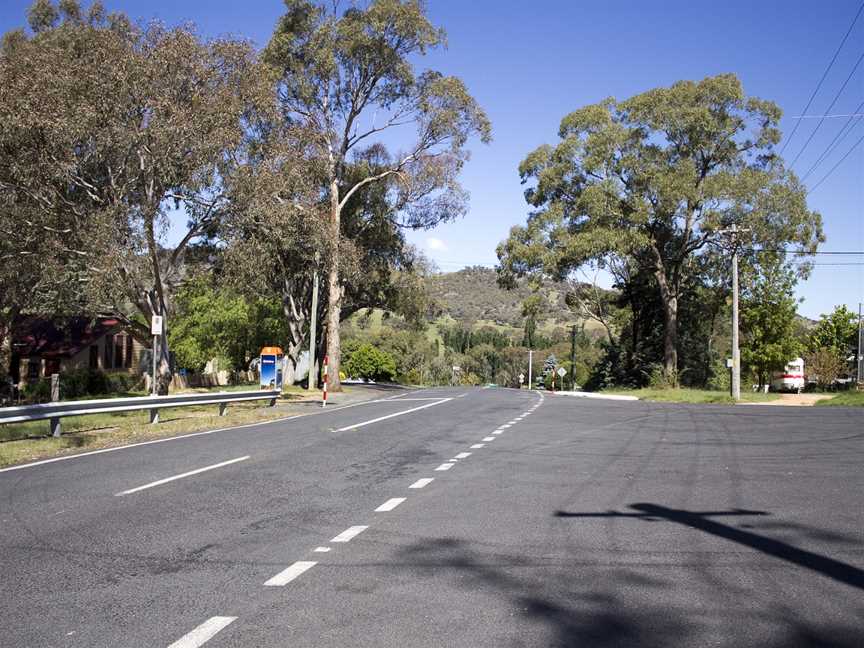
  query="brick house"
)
[{"x": 41, "y": 347}]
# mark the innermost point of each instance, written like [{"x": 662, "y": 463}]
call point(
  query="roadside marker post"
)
[{"x": 324, "y": 400}]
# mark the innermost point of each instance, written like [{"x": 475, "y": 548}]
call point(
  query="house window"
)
[
  {"x": 118, "y": 351},
  {"x": 94, "y": 356},
  {"x": 108, "y": 355}
]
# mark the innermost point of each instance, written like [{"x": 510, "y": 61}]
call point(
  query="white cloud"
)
[{"x": 436, "y": 244}]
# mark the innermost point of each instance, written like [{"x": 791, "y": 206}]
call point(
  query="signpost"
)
[
  {"x": 561, "y": 373},
  {"x": 521, "y": 380},
  {"x": 156, "y": 328}
]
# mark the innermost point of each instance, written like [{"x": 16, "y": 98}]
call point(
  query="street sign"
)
[
  {"x": 728, "y": 363},
  {"x": 521, "y": 378},
  {"x": 457, "y": 368},
  {"x": 156, "y": 325},
  {"x": 561, "y": 371}
]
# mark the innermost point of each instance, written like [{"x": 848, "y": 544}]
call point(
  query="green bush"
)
[{"x": 370, "y": 363}]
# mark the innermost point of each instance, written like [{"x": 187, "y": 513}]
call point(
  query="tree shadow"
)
[{"x": 701, "y": 521}]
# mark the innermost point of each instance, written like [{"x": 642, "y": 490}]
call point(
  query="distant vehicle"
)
[{"x": 791, "y": 379}]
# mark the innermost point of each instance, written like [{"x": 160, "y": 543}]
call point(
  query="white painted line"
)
[
  {"x": 498, "y": 432},
  {"x": 506, "y": 425},
  {"x": 286, "y": 576},
  {"x": 322, "y": 549},
  {"x": 176, "y": 477},
  {"x": 203, "y": 633},
  {"x": 349, "y": 533},
  {"x": 489, "y": 438},
  {"x": 420, "y": 483},
  {"x": 477, "y": 446},
  {"x": 462, "y": 455},
  {"x": 445, "y": 466},
  {"x": 389, "y": 416},
  {"x": 390, "y": 504}
]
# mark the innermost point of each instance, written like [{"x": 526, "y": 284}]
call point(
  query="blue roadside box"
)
[{"x": 270, "y": 368}]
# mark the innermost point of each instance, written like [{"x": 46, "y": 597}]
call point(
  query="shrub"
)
[{"x": 370, "y": 363}]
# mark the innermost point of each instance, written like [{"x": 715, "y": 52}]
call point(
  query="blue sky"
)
[{"x": 529, "y": 64}]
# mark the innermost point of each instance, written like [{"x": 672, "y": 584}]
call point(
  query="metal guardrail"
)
[{"x": 53, "y": 412}]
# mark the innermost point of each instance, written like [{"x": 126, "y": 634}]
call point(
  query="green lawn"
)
[
  {"x": 691, "y": 395},
  {"x": 844, "y": 399}
]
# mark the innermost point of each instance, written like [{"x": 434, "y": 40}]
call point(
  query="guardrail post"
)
[
  {"x": 222, "y": 408},
  {"x": 154, "y": 415},
  {"x": 56, "y": 428},
  {"x": 272, "y": 402}
]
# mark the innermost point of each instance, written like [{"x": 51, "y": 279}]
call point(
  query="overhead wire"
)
[
  {"x": 834, "y": 168},
  {"x": 839, "y": 137},
  {"x": 822, "y": 80}
]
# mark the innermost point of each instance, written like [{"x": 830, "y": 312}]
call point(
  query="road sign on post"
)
[
  {"x": 156, "y": 328},
  {"x": 521, "y": 380},
  {"x": 562, "y": 371}
]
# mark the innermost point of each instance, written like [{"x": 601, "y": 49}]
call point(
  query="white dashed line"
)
[
  {"x": 203, "y": 633},
  {"x": 462, "y": 455},
  {"x": 390, "y": 504},
  {"x": 420, "y": 483},
  {"x": 489, "y": 438},
  {"x": 445, "y": 466},
  {"x": 506, "y": 425},
  {"x": 286, "y": 576},
  {"x": 176, "y": 477},
  {"x": 498, "y": 432},
  {"x": 322, "y": 549},
  {"x": 349, "y": 533},
  {"x": 477, "y": 446}
]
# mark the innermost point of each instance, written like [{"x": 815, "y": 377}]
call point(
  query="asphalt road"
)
[{"x": 575, "y": 523}]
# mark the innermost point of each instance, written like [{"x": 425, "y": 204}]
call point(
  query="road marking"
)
[
  {"x": 390, "y": 504},
  {"x": 498, "y": 432},
  {"x": 176, "y": 477},
  {"x": 349, "y": 533},
  {"x": 478, "y": 445},
  {"x": 287, "y": 575},
  {"x": 204, "y": 632},
  {"x": 389, "y": 416},
  {"x": 322, "y": 549},
  {"x": 489, "y": 438},
  {"x": 445, "y": 466},
  {"x": 506, "y": 425},
  {"x": 462, "y": 455},
  {"x": 420, "y": 483}
]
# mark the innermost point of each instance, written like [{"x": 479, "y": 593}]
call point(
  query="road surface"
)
[{"x": 450, "y": 517}]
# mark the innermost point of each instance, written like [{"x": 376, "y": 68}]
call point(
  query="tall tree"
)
[
  {"x": 654, "y": 179},
  {"x": 349, "y": 77},
  {"x": 114, "y": 125}
]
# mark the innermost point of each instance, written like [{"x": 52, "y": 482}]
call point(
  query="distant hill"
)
[{"x": 473, "y": 295}]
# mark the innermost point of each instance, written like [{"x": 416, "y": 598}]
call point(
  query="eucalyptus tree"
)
[
  {"x": 654, "y": 180},
  {"x": 108, "y": 126},
  {"x": 348, "y": 75}
]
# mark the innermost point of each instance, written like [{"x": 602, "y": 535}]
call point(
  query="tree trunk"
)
[
  {"x": 334, "y": 294},
  {"x": 670, "y": 340},
  {"x": 163, "y": 362}
]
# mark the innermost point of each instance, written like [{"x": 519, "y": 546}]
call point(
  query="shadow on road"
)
[{"x": 700, "y": 520}]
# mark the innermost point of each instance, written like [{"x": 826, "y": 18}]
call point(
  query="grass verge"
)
[
  {"x": 691, "y": 395},
  {"x": 24, "y": 442},
  {"x": 845, "y": 399}
]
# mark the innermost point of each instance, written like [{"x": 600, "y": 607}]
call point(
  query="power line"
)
[
  {"x": 839, "y": 137},
  {"x": 806, "y": 253},
  {"x": 833, "y": 101},
  {"x": 839, "y": 162},
  {"x": 854, "y": 114},
  {"x": 824, "y": 74}
]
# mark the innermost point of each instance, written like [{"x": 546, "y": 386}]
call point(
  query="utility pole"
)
[
  {"x": 530, "y": 360},
  {"x": 313, "y": 321},
  {"x": 860, "y": 347},
  {"x": 572, "y": 359},
  {"x": 736, "y": 352}
]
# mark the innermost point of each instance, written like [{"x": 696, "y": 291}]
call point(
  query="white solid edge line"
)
[
  {"x": 349, "y": 533},
  {"x": 445, "y": 466},
  {"x": 203, "y": 633},
  {"x": 489, "y": 438},
  {"x": 389, "y": 416},
  {"x": 390, "y": 504},
  {"x": 420, "y": 483},
  {"x": 477, "y": 446},
  {"x": 176, "y": 477},
  {"x": 41, "y": 462},
  {"x": 287, "y": 575},
  {"x": 462, "y": 455}
]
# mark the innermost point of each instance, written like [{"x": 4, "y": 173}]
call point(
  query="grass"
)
[
  {"x": 22, "y": 442},
  {"x": 845, "y": 399},
  {"x": 683, "y": 395}
]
